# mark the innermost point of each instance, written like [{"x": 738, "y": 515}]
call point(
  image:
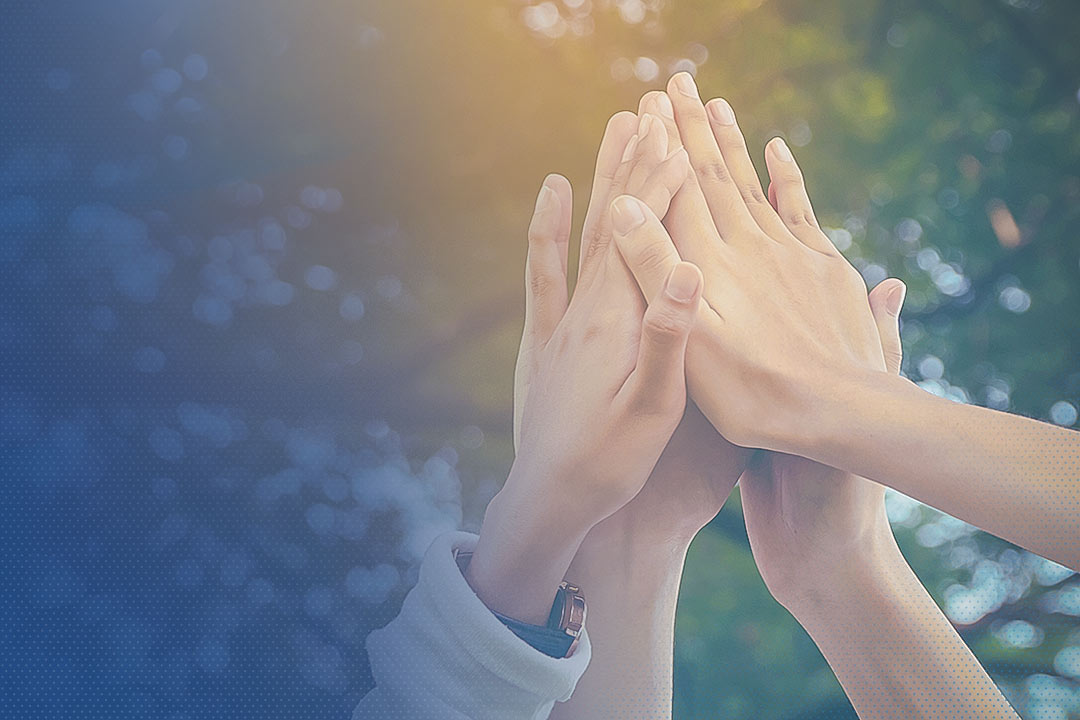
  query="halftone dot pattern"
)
[
  {"x": 213, "y": 491},
  {"x": 203, "y": 516}
]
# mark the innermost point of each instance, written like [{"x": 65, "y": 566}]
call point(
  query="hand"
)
[
  {"x": 783, "y": 354},
  {"x": 762, "y": 354},
  {"x": 600, "y": 381},
  {"x": 698, "y": 468},
  {"x": 811, "y": 526}
]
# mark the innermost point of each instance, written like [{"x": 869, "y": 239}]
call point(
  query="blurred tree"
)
[{"x": 262, "y": 264}]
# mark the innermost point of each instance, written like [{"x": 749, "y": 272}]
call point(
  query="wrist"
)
[
  {"x": 629, "y": 580},
  {"x": 830, "y": 592},
  {"x": 849, "y": 414},
  {"x": 526, "y": 543}
]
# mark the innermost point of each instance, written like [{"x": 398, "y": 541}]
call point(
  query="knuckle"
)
[
  {"x": 651, "y": 256},
  {"x": 714, "y": 171},
  {"x": 596, "y": 243},
  {"x": 752, "y": 194},
  {"x": 541, "y": 284},
  {"x": 797, "y": 219},
  {"x": 537, "y": 234},
  {"x": 666, "y": 325},
  {"x": 852, "y": 277}
]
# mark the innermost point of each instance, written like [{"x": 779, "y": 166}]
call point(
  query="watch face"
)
[{"x": 573, "y": 610}]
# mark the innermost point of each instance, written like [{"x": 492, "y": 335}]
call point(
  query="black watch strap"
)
[{"x": 549, "y": 639}]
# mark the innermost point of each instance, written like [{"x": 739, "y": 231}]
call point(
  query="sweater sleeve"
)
[{"x": 447, "y": 657}]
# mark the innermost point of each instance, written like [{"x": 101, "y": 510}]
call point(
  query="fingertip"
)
[
  {"x": 779, "y": 150},
  {"x": 622, "y": 120},
  {"x": 684, "y": 283},
  {"x": 720, "y": 111},
  {"x": 888, "y": 297},
  {"x": 895, "y": 299},
  {"x": 627, "y": 214},
  {"x": 558, "y": 183},
  {"x": 663, "y": 105},
  {"x": 683, "y": 84},
  {"x": 546, "y": 214}
]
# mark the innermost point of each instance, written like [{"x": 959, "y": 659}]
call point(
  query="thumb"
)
[
  {"x": 644, "y": 244},
  {"x": 658, "y": 381},
  {"x": 886, "y": 299}
]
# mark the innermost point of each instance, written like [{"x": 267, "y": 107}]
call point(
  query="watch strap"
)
[{"x": 551, "y": 639}]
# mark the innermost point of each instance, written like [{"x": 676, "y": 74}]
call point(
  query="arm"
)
[
  {"x": 633, "y": 590},
  {"x": 632, "y": 565},
  {"x": 600, "y": 384},
  {"x": 1009, "y": 475},
  {"x": 785, "y": 312},
  {"x": 892, "y": 649},
  {"x": 822, "y": 541},
  {"x": 446, "y": 657},
  {"x": 601, "y": 387}
]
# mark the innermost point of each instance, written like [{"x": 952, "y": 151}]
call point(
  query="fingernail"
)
[
  {"x": 782, "y": 151},
  {"x": 626, "y": 214},
  {"x": 721, "y": 112},
  {"x": 683, "y": 282},
  {"x": 544, "y": 199},
  {"x": 663, "y": 104},
  {"x": 630, "y": 148},
  {"x": 895, "y": 299},
  {"x": 677, "y": 151},
  {"x": 685, "y": 84},
  {"x": 644, "y": 124}
]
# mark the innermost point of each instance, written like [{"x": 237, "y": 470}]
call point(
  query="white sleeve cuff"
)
[{"x": 447, "y": 656}]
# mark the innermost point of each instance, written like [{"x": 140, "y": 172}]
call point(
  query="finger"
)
[
  {"x": 644, "y": 244},
  {"x": 886, "y": 299},
  {"x": 657, "y": 102},
  {"x": 545, "y": 265},
  {"x": 732, "y": 145},
  {"x": 688, "y": 217},
  {"x": 658, "y": 382},
  {"x": 792, "y": 202},
  {"x": 729, "y": 212},
  {"x": 620, "y": 128},
  {"x": 664, "y": 183},
  {"x": 652, "y": 149}
]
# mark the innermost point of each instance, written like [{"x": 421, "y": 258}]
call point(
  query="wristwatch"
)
[{"x": 559, "y": 637}]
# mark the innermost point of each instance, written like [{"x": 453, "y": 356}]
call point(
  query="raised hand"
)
[
  {"x": 631, "y": 563},
  {"x": 783, "y": 354},
  {"x": 762, "y": 353},
  {"x": 600, "y": 381},
  {"x": 823, "y": 545}
]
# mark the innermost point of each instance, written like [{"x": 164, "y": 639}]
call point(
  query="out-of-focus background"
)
[{"x": 260, "y": 272}]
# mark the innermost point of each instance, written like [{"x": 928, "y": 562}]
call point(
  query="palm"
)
[
  {"x": 692, "y": 478},
  {"x": 800, "y": 514}
]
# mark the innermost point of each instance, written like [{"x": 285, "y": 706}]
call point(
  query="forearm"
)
[
  {"x": 892, "y": 649},
  {"x": 1009, "y": 475},
  {"x": 632, "y": 586}
]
